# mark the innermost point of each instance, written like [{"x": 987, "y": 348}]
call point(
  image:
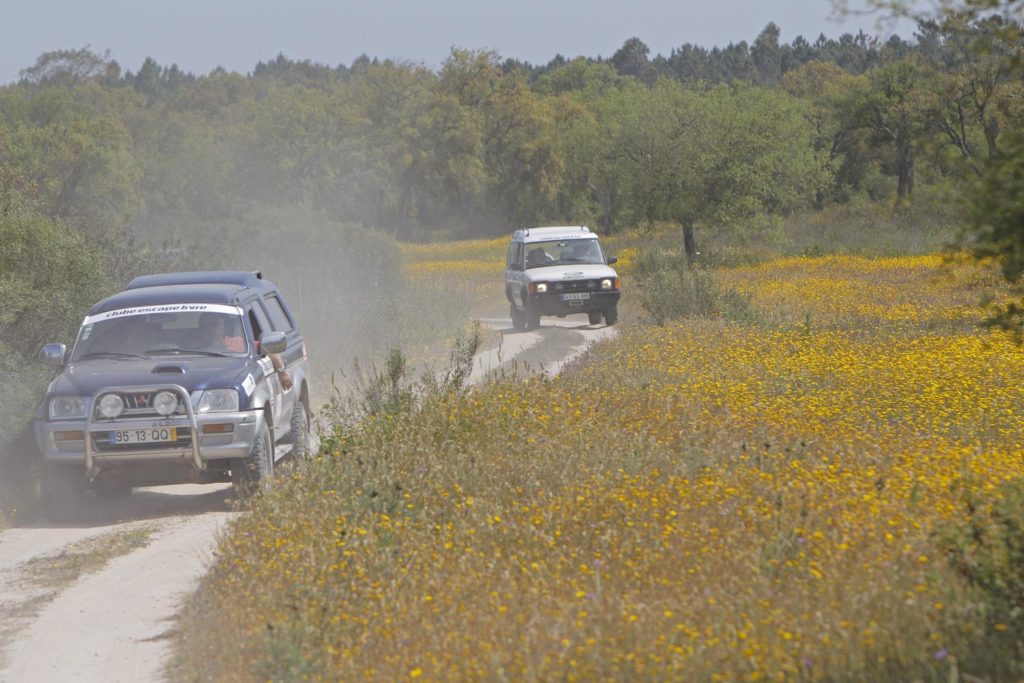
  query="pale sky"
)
[{"x": 200, "y": 35}]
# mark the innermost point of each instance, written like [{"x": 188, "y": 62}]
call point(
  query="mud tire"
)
[
  {"x": 248, "y": 475},
  {"x": 299, "y": 436},
  {"x": 532, "y": 318},
  {"x": 518, "y": 318}
]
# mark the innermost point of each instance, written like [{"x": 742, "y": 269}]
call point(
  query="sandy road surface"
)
[
  {"x": 558, "y": 341},
  {"x": 113, "y": 624}
]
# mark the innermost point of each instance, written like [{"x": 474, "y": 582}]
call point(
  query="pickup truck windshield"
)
[
  {"x": 563, "y": 252},
  {"x": 162, "y": 334}
]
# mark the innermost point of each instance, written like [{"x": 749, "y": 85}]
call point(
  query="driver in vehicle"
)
[{"x": 537, "y": 257}]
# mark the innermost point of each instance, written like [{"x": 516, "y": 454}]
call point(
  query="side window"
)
[
  {"x": 278, "y": 318},
  {"x": 517, "y": 256},
  {"x": 258, "y": 320},
  {"x": 510, "y": 259}
]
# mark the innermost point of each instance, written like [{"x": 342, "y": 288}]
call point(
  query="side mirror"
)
[
  {"x": 273, "y": 342},
  {"x": 53, "y": 354},
  {"x": 612, "y": 260}
]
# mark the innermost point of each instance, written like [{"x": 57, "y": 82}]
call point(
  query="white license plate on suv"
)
[
  {"x": 578, "y": 296},
  {"x": 150, "y": 435}
]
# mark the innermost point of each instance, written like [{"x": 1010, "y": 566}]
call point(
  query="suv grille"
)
[
  {"x": 577, "y": 285},
  {"x": 138, "y": 404}
]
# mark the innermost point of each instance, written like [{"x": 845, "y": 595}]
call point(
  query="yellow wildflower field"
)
[{"x": 707, "y": 500}]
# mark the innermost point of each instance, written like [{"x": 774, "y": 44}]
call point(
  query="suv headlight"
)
[
  {"x": 218, "y": 401},
  {"x": 607, "y": 283},
  {"x": 67, "y": 408},
  {"x": 541, "y": 287}
]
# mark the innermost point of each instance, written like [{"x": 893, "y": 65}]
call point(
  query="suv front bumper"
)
[
  {"x": 555, "y": 303},
  {"x": 199, "y": 438}
]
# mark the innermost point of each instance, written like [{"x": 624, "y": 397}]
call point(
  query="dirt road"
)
[{"x": 96, "y": 601}]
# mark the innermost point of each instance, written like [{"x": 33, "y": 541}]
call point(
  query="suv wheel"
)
[
  {"x": 299, "y": 436},
  {"x": 63, "y": 492},
  {"x": 518, "y": 318},
  {"x": 247, "y": 474},
  {"x": 532, "y": 318},
  {"x": 594, "y": 317},
  {"x": 611, "y": 316}
]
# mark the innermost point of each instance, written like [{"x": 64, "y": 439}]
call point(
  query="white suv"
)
[{"x": 559, "y": 271}]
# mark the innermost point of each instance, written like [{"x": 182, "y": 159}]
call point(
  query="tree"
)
[
  {"x": 631, "y": 60},
  {"x": 49, "y": 275},
  {"x": 996, "y": 222},
  {"x": 828, "y": 91},
  {"x": 78, "y": 165},
  {"x": 972, "y": 87},
  {"x": 767, "y": 56},
  {"x": 71, "y": 67},
  {"x": 995, "y": 225},
  {"x": 894, "y": 109},
  {"x": 718, "y": 157}
]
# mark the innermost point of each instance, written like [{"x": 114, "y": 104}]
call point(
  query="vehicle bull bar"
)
[{"x": 180, "y": 391}]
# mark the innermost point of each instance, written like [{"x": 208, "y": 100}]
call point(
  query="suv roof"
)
[
  {"x": 169, "y": 294},
  {"x": 204, "y": 287},
  {"x": 554, "y": 233},
  {"x": 209, "y": 277}
]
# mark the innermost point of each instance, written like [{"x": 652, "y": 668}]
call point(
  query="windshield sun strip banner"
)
[
  {"x": 560, "y": 238},
  {"x": 163, "y": 308}
]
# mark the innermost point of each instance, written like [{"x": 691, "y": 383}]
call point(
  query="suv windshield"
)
[
  {"x": 162, "y": 334},
  {"x": 559, "y": 252}
]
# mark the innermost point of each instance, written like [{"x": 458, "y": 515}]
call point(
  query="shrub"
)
[
  {"x": 987, "y": 549},
  {"x": 48, "y": 278},
  {"x": 670, "y": 289}
]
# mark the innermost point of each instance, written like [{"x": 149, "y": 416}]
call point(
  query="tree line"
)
[{"x": 483, "y": 145}]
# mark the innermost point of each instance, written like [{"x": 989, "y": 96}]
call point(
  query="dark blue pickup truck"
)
[{"x": 179, "y": 378}]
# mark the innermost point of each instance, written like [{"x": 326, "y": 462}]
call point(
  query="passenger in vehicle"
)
[
  {"x": 214, "y": 334},
  {"x": 586, "y": 251},
  {"x": 275, "y": 358}
]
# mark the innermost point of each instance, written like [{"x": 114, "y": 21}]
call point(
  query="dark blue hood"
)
[{"x": 85, "y": 378}]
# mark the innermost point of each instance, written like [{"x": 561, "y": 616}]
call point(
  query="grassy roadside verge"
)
[{"x": 705, "y": 500}]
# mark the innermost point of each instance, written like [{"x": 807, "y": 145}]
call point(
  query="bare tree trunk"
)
[
  {"x": 689, "y": 244},
  {"x": 905, "y": 188}
]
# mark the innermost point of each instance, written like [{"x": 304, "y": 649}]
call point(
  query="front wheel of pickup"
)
[
  {"x": 248, "y": 474},
  {"x": 300, "y": 433},
  {"x": 63, "y": 492}
]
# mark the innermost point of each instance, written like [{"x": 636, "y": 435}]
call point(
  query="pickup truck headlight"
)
[
  {"x": 218, "y": 401},
  {"x": 67, "y": 408},
  {"x": 111, "y": 406}
]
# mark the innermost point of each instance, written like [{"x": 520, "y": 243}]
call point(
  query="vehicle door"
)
[
  {"x": 260, "y": 323},
  {"x": 281, "y": 321},
  {"x": 514, "y": 275}
]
